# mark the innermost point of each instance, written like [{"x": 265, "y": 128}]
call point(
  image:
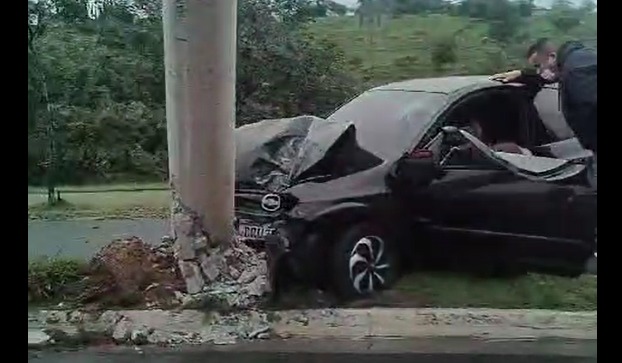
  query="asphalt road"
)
[
  {"x": 421, "y": 350},
  {"x": 214, "y": 357},
  {"x": 83, "y": 238}
]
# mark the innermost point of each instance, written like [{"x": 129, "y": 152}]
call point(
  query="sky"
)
[{"x": 544, "y": 3}]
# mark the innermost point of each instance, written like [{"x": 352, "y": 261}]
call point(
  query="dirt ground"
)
[{"x": 131, "y": 273}]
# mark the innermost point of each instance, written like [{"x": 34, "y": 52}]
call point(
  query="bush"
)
[
  {"x": 564, "y": 16},
  {"x": 443, "y": 51},
  {"x": 53, "y": 279},
  {"x": 106, "y": 86}
]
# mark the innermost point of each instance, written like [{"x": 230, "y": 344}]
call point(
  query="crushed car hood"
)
[
  {"x": 266, "y": 150},
  {"x": 272, "y": 154}
]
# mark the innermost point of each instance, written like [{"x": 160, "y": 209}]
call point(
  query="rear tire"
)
[{"x": 364, "y": 261}]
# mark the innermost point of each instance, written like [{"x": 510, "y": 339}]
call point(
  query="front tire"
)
[{"x": 364, "y": 261}]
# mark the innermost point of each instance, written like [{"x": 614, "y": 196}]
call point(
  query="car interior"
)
[{"x": 499, "y": 129}]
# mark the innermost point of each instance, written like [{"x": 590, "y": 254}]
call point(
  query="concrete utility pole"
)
[
  {"x": 212, "y": 26},
  {"x": 200, "y": 57}
]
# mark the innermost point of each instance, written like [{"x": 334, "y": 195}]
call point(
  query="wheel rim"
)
[{"x": 368, "y": 265}]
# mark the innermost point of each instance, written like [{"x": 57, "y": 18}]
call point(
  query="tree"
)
[
  {"x": 107, "y": 121},
  {"x": 564, "y": 16},
  {"x": 587, "y": 6},
  {"x": 105, "y": 83},
  {"x": 503, "y": 16},
  {"x": 525, "y": 8},
  {"x": 371, "y": 11},
  {"x": 38, "y": 95}
]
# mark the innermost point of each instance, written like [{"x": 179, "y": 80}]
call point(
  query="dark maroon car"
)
[{"x": 397, "y": 176}]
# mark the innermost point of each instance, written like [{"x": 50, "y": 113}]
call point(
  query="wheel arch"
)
[{"x": 324, "y": 229}]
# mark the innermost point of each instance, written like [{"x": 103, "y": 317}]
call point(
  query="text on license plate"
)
[{"x": 254, "y": 231}]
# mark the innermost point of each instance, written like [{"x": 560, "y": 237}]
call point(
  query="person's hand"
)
[{"x": 507, "y": 76}]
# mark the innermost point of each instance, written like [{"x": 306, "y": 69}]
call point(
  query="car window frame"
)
[
  {"x": 547, "y": 104},
  {"x": 441, "y": 119}
]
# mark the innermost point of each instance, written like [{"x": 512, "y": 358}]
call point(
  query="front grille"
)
[{"x": 248, "y": 206}]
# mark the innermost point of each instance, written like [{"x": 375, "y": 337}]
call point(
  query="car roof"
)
[
  {"x": 390, "y": 118},
  {"x": 444, "y": 85}
]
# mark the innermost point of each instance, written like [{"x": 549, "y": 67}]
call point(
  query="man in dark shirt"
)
[{"x": 575, "y": 68}]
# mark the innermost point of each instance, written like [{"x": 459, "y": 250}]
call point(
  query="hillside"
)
[{"x": 401, "y": 47}]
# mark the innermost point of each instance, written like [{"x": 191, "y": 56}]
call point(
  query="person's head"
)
[{"x": 543, "y": 55}]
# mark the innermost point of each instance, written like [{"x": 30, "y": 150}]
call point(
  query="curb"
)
[
  {"x": 162, "y": 327},
  {"x": 38, "y": 339}
]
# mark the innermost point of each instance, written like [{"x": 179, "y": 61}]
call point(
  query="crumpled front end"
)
[{"x": 296, "y": 169}]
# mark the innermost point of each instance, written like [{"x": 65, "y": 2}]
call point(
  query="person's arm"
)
[
  {"x": 532, "y": 81},
  {"x": 527, "y": 76}
]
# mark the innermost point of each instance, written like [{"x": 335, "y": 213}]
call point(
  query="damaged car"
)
[{"x": 455, "y": 170}]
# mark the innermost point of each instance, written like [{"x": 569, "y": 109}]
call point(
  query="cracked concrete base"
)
[
  {"x": 231, "y": 277},
  {"x": 162, "y": 327}
]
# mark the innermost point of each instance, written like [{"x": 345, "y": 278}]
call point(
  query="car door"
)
[
  {"x": 482, "y": 214},
  {"x": 480, "y": 196}
]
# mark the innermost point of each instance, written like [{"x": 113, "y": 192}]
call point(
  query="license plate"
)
[{"x": 249, "y": 231}]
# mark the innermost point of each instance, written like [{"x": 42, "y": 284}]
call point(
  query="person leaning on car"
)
[{"x": 574, "y": 67}]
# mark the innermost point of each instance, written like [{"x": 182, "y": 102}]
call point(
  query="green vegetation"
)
[
  {"x": 525, "y": 292},
  {"x": 151, "y": 201},
  {"x": 414, "y": 46},
  {"x": 96, "y": 84},
  {"x": 96, "y": 80},
  {"x": 54, "y": 279},
  {"x": 57, "y": 279}
]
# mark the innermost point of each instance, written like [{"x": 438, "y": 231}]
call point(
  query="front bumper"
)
[{"x": 294, "y": 255}]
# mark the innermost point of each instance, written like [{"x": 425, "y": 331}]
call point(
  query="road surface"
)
[
  {"x": 83, "y": 238},
  {"x": 299, "y": 358},
  {"x": 433, "y": 350}
]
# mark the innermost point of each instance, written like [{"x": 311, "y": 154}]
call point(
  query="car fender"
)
[{"x": 355, "y": 209}]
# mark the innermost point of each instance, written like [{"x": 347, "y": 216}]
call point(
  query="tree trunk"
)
[
  {"x": 200, "y": 50},
  {"x": 50, "y": 131}
]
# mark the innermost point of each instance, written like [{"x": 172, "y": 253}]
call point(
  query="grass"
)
[
  {"x": 59, "y": 279},
  {"x": 54, "y": 280},
  {"x": 400, "y": 49},
  {"x": 122, "y": 187},
  {"x": 526, "y": 292},
  {"x": 100, "y": 202}
]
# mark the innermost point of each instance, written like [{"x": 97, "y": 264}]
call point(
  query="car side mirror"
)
[{"x": 417, "y": 169}]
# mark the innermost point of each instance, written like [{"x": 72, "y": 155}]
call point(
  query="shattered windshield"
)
[{"x": 388, "y": 121}]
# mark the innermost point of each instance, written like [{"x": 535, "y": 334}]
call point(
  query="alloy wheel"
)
[{"x": 368, "y": 265}]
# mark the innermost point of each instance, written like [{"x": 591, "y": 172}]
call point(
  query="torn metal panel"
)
[{"x": 265, "y": 151}]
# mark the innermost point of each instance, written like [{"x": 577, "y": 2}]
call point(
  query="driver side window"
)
[
  {"x": 465, "y": 156},
  {"x": 455, "y": 152}
]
